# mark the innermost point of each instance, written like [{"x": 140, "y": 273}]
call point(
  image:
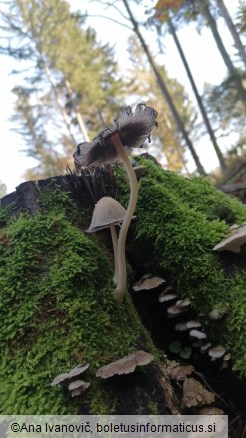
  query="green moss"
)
[
  {"x": 57, "y": 310},
  {"x": 174, "y": 222}
]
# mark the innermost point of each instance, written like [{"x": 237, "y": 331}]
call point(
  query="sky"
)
[{"x": 203, "y": 57}]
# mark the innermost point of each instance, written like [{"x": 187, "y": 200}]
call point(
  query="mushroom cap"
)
[
  {"x": 197, "y": 334},
  {"x": 234, "y": 241},
  {"x": 61, "y": 380},
  {"x": 147, "y": 282},
  {"x": 107, "y": 212},
  {"x": 78, "y": 384},
  {"x": 217, "y": 352},
  {"x": 193, "y": 324},
  {"x": 126, "y": 365},
  {"x": 166, "y": 297},
  {"x": 79, "y": 369},
  {"x": 133, "y": 129}
]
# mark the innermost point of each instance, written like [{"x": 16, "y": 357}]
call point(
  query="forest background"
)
[{"x": 74, "y": 64}]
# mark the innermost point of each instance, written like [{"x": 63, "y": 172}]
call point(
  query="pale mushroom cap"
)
[
  {"x": 62, "y": 379},
  {"x": 217, "y": 352},
  {"x": 107, "y": 212},
  {"x": 147, "y": 283},
  {"x": 193, "y": 324},
  {"x": 197, "y": 334},
  {"x": 78, "y": 384},
  {"x": 167, "y": 297},
  {"x": 79, "y": 369},
  {"x": 234, "y": 241},
  {"x": 126, "y": 365}
]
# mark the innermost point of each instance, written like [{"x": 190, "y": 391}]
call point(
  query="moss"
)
[
  {"x": 174, "y": 222},
  {"x": 57, "y": 310}
]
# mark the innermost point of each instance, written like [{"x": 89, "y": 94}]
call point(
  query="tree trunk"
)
[
  {"x": 235, "y": 35},
  {"x": 198, "y": 97},
  {"x": 165, "y": 92},
  {"x": 78, "y": 115},
  {"x": 226, "y": 58},
  {"x": 60, "y": 104}
]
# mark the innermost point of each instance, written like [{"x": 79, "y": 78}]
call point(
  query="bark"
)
[
  {"x": 198, "y": 97},
  {"x": 165, "y": 92},
  {"x": 232, "y": 28},
  {"x": 226, "y": 58}
]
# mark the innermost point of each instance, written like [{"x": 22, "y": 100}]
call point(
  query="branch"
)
[{"x": 111, "y": 19}]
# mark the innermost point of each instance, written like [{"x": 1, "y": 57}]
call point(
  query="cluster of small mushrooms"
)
[
  {"x": 125, "y": 365},
  {"x": 114, "y": 143},
  {"x": 178, "y": 307}
]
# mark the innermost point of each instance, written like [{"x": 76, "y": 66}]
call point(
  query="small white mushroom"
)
[
  {"x": 126, "y": 365},
  {"x": 180, "y": 327},
  {"x": 234, "y": 241},
  {"x": 79, "y": 369},
  {"x": 198, "y": 334},
  {"x": 183, "y": 303},
  {"x": 167, "y": 297},
  {"x": 107, "y": 213},
  {"x": 77, "y": 387},
  {"x": 175, "y": 310},
  {"x": 217, "y": 352},
  {"x": 61, "y": 380},
  {"x": 193, "y": 324},
  {"x": 147, "y": 282}
]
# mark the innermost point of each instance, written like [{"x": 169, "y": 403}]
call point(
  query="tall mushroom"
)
[
  {"x": 107, "y": 213},
  {"x": 112, "y": 144}
]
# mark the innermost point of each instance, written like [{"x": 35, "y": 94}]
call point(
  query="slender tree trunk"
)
[
  {"x": 226, "y": 58},
  {"x": 59, "y": 103},
  {"x": 78, "y": 115},
  {"x": 235, "y": 35},
  {"x": 165, "y": 91},
  {"x": 198, "y": 97}
]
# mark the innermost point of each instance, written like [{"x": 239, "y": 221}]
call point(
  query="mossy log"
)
[{"x": 57, "y": 304}]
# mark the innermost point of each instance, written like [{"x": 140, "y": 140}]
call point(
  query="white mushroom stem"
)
[
  {"x": 115, "y": 247},
  {"x": 123, "y": 156}
]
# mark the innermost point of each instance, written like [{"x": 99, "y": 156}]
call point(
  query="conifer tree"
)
[{"x": 68, "y": 78}]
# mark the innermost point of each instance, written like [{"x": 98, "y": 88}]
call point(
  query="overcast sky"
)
[{"x": 202, "y": 54}]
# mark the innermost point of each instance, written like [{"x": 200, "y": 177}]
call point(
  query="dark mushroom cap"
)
[{"x": 133, "y": 128}]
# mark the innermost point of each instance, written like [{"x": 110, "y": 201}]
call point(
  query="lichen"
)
[{"x": 58, "y": 310}]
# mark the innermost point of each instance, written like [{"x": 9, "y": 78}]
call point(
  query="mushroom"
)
[
  {"x": 61, "y": 380},
  {"x": 147, "y": 282},
  {"x": 77, "y": 387},
  {"x": 131, "y": 130},
  {"x": 197, "y": 334},
  {"x": 126, "y": 365},
  {"x": 167, "y": 297},
  {"x": 193, "y": 324},
  {"x": 217, "y": 352},
  {"x": 234, "y": 241},
  {"x": 107, "y": 213}
]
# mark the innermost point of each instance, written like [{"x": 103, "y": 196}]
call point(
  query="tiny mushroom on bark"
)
[
  {"x": 234, "y": 241},
  {"x": 126, "y": 365},
  {"x": 197, "y": 334},
  {"x": 217, "y": 352},
  {"x": 147, "y": 282},
  {"x": 77, "y": 387},
  {"x": 107, "y": 213},
  {"x": 130, "y": 130}
]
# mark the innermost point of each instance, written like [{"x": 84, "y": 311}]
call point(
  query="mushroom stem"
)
[
  {"x": 122, "y": 154},
  {"x": 115, "y": 247}
]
